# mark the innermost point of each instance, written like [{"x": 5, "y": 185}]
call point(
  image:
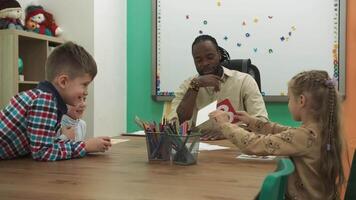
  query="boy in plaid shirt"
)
[{"x": 29, "y": 124}]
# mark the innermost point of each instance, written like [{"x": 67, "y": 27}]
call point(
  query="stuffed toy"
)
[
  {"x": 40, "y": 21},
  {"x": 10, "y": 15}
]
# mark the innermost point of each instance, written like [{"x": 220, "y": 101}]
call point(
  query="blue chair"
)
[
  {"x": 274, "y": 185},
  {"x": 350, "y": 193}
]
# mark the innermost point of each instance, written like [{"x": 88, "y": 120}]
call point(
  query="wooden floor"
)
[{"x": 124, "y": 173}]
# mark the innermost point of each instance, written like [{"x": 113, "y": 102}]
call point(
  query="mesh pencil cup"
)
[
  {"x": 158, "y": 146},
  {"x": 184, "y": 149}
]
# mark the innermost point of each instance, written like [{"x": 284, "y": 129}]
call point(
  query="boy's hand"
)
[
  {"x": 69, "y": 132},
  {"x": 100, "y": 144}
]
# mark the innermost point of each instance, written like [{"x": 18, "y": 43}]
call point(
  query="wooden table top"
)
[{"x": 124, "y": 173}]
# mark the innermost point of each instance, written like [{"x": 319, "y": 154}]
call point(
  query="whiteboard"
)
[{"x": 281, "y": 37}]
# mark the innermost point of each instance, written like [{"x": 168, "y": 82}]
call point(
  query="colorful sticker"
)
[
  {"x": 282, "y": 38},
  {"x": 255, "y": 20},
  {"x": 239, "y": 44},
  {"x": 270, "y": 51},
  {"x": 226, "y": 38},
  {"x": 187, "y": 17},
  {"x": 247, "y": 34},
  {"x": 205, "y": 22},
  {"x": 255, "y": 50}
]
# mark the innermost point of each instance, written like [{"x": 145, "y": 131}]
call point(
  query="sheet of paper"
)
[
  {"x": 116, "y": 141},
  {"x": 137, "y": 133},
  {"x": 203, "y": 114},
  {"x": 210, "y": 147},
  {"x": 254, "y": 157}
]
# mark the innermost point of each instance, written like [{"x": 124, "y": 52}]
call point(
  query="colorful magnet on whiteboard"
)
[
  {"x": 200, "y": 32},
  {"x": 218, "y": 3},
  {"x": 238, "y": 44},
  {"x": 247, "y": 35},
  {"x": 290, "y": 33},
  {"x": 255, "y": 20},
  {"x": 255, "y": 50},
  {"x": 243, "y": 23},
  {"x": 205, "y": 22},
  {"x": 187, "y": 17},
  {"x": 282, "y": 38},
  {"x": 270, "y": 51},
  {"x": 270, "y": 17},
  {"x": 294, "y": 28}
]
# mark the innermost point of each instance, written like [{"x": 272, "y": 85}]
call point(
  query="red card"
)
[{"x": 225, "y": 105}]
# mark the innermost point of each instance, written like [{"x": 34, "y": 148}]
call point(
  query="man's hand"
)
[{"x": 209, "y": 80}]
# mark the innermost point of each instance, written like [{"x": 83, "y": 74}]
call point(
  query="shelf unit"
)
[{"x": 33, "y": 49}]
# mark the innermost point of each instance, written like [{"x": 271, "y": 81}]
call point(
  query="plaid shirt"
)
[{"x": 29, "y": 124}]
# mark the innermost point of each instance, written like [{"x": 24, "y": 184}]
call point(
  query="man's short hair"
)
[{"x": 70, "y": 59}]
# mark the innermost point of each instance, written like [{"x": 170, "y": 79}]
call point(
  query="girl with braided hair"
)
[{"x": 315, "y": 148}]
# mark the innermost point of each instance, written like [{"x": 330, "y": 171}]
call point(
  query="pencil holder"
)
[
  {"x": 158, "y": 146},
  {"x": 184, "y": 149}
]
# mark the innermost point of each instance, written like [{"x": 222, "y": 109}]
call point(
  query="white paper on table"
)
[
  {"x": 203, "y": 114},
  {"x": 136, "y": 133},
  {"x": 116, "y": 141},
  {"x": 254, "y": 157},
  {"x": 210, "y": 147}
]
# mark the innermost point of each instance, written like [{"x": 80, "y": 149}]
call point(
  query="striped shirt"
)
[{"x": 29, "y": 124}]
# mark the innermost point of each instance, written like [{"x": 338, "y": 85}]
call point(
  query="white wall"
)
[
  {"x": 101, "y": 30},
  {"x": 110, "y": 54}
]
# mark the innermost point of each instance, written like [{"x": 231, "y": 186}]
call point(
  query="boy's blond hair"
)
[{"x": 70, "y": 59}]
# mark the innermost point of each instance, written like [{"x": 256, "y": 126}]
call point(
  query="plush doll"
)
[
  {"x": 10, "y": 15},
  {"x": 41, "y": 21}
]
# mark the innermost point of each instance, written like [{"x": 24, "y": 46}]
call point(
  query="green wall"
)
[{"x": 139, "y": 101}]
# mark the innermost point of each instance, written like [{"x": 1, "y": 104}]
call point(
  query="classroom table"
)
[{"x": 124, "y": 173}]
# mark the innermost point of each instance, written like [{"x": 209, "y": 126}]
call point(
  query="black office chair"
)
[{"x": 244, "y": 65}]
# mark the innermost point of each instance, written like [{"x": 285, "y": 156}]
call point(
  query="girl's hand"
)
[
  {"x": 242, "y": 116},
  {"x": 219, "y": 116}
]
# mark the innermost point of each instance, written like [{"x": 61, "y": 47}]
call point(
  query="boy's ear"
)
[{"x": 62, "y": 80}]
